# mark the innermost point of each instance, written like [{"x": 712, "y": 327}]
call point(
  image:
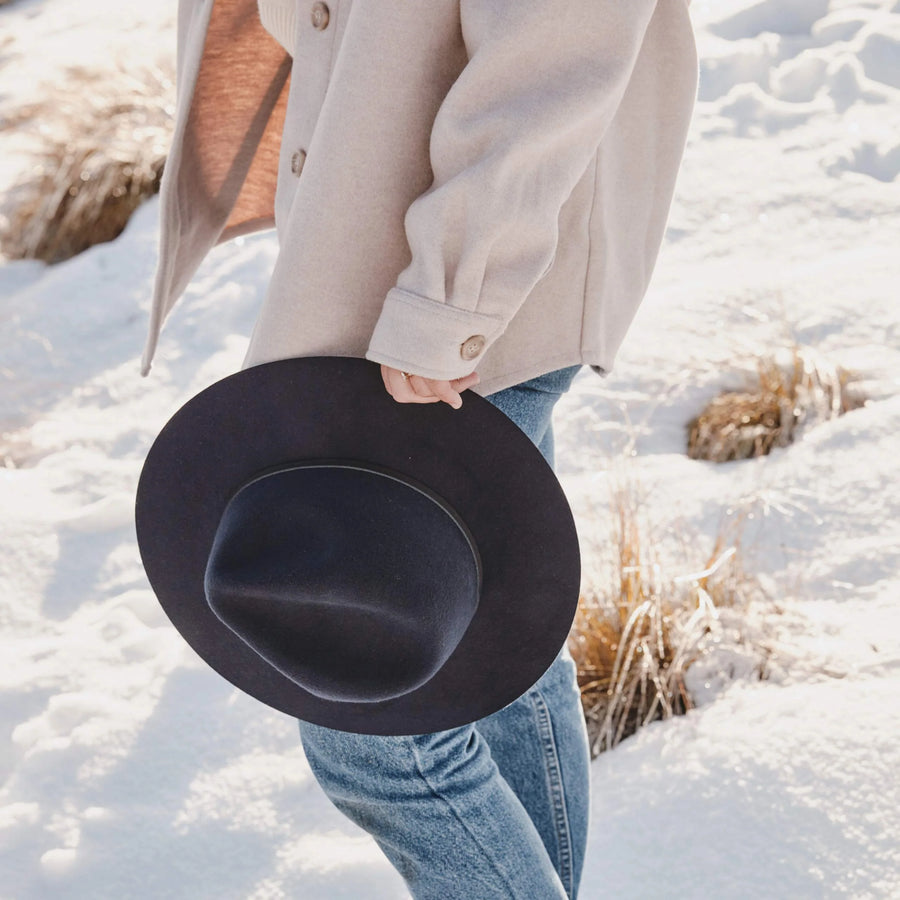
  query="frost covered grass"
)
[
  {"x": 99, "y": 149},
  {"x": 635, "y": 639},
  {"x": 799, "y": 387}
]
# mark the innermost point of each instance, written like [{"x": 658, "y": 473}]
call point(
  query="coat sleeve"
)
[{"x": 510, "y": 141}]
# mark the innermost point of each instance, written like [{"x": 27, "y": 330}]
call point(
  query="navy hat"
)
[{"x": 358, "y": 563}]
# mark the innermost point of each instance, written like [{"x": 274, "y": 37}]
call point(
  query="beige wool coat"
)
[{"x": 456, "y": 184}]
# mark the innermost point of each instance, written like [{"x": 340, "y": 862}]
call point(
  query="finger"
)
[
  {"x": 421, "y": 386},
  {"x": 399, "y": 385},
  {"x": 403, "y": 390},
  {"x": 467, "y": 381},
  {"x": 396, "y": 385},
  {"x": 412, "y": 397},
  {"x": 384, "y": 378},
  {"x": 446, "y": 393}
]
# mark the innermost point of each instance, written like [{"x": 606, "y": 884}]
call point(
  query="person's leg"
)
[
  {"x": 530, "y": 405},
  {"x": 493, "y": 809},
  {"x": 438, "y": 807},
  {"x": 540, "y": 742}
]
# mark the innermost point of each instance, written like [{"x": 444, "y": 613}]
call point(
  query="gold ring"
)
[{"x": 404, "y": 376}]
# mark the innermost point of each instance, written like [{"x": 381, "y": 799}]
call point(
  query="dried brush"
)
[
  {"x": 634, "y": 642},
  {"x": 769, "y": 413},
  {"x": 101, "y": 141}
]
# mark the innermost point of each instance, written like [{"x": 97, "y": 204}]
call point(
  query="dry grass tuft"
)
[
  {"x": 101, "y": 140},
  {"x": 634, "y": 641},
  {"x": 744, "y": 424}
]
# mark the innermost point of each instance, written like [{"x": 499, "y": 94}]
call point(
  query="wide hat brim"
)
[{"x": 336, "y": 408}]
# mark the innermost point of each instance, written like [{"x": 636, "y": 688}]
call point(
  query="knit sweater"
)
[{"x": 279, "y": 18}]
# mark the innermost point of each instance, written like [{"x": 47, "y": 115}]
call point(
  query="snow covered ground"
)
[{"x": 131, "y": 770}]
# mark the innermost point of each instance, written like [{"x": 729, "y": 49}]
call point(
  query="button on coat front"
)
[
  {"x": 298, "y": 158},
  {"x": 320, "y": 15},
  {"x": 500, "y": 169}
]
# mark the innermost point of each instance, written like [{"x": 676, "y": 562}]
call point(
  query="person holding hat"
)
[{"x": 469, "y": 197}]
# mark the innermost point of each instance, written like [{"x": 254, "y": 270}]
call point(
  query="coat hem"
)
[{"x": 493, "y": 384}]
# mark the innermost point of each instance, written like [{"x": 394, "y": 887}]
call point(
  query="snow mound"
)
[
  {"x": 796, "y": 53},
  {"x": 879, "y": 52},
  {"x": 776, "y": 16},
  {"x": 771, "y": 809}
]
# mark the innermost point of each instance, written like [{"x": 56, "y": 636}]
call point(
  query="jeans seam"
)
[
  {"x": 555, "y": 788},
  {"x": 480, "y": 844}
]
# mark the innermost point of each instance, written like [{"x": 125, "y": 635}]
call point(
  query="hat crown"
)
[{"x": 355, "y": 583}]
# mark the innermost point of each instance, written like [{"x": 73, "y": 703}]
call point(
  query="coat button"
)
[
  {"x": 320, "y": 15},
  {"x": 471, "y": 347},
  {"x": 297, "y": 160}
]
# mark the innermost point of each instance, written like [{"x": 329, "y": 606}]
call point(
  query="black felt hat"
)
[{"x": 358, "y": 563}]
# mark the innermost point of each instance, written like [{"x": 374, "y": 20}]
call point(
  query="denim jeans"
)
[{"x": 495, "y": 809}]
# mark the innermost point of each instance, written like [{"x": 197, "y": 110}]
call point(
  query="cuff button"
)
[{"x": 472, "y": 347}]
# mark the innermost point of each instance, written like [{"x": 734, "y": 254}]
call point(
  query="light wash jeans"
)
[{"x": 492, "y": 810}]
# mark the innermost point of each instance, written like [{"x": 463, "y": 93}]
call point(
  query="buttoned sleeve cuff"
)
[{"x": 429, "y": 338}]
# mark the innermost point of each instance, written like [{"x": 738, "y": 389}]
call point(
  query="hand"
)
[{"x": 416, "y": 389}]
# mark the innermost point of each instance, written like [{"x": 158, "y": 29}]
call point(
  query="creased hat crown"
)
[{"x": 354, "y": 583}]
